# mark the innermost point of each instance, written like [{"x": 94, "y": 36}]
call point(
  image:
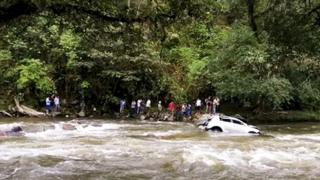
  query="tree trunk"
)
[
  {"x": 250, "y": 4},
  {"x": 6, "y": 113},
  {"x": 26, "y": 110}
]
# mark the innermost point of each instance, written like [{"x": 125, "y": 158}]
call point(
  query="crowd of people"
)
[
  {"x": 137, "y": 107},
  {"x": 140, "y": 106},
  {"x": 52, "y": 104}
]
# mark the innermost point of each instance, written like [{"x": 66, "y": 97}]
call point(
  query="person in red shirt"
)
[{"x": 172, "y": 107}]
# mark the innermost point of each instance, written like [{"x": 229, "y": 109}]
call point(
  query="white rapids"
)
[{"x": 98, "y": 149}]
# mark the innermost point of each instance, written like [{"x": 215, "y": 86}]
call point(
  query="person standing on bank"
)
[
  {"x": 133, "y": 107},
  {"x": 159, "y": 106},
  {"x": 198, "y": 104},
  {"x": 216, "y": 103},
  {"x": 148, "y": 105},
  {"x": 48, "y": 105},
  {"x": 139, "y": 102},
  {"x": 57, "y": 103},
  {"x": 184, "y": 110},
  {"x": 52, "y": 102},
  {"x": 172, "y": 108},
  {"x": 122, "y": 105},
  {"x": 189, "y": 110}
]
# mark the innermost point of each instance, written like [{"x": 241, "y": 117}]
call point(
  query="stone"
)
[
  {"x": 82, "y": 114},
  {"x": 68, "y": 127},
  {"x": 142, "y": 117}
]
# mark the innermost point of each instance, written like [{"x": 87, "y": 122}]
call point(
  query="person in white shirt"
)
[
  {"x": 122, "y": 105},
  {"x": 57, "y": 103},
  {"x": 139, "y": 106},
  {"x": 216, "y": 103},
  {"x": 148, "y": 105},
  {"x": 159, "y": 106},
  {"x": 183, "y": 109},
  {"x": 133, "y": 107},
  {"x": 198, "y": 104}
]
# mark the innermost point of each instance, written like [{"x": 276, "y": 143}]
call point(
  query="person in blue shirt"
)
[{"x": 189, "y": 110}]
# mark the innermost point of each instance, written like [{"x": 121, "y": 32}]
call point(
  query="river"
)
[{"x": 100, "y": 149}]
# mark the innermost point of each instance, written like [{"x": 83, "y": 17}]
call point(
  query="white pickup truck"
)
[{"x": 229, "y": 124}]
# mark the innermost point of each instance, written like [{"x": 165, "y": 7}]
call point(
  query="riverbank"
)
[
  {"x": 272, "y": 117},
  {"x": 275, "y": 117}
]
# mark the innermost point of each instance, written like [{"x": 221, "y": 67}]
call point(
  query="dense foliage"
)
[{"x": 259, "y": 54}]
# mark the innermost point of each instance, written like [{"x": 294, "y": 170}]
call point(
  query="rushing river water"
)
[{"x": 99, "y": 149}]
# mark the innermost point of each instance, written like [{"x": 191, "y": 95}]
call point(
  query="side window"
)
[
  {"x": 237, "y": 122},
  {"x": 226, "y": 120}
]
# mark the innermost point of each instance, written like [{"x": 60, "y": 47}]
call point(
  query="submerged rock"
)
[
  {"x": 15, "y": 131},
  {"x": 79, "y": 121},
  {"x": 170, "y": 118},
  {"x": 142, "y": 117},
  {"x": 69, "y": 127}
]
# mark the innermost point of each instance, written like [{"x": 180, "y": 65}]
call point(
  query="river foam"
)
[{"x": 112, "y": 150}]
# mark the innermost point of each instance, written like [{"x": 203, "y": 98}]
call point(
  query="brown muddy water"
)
[{"x": 100, "y": 149}]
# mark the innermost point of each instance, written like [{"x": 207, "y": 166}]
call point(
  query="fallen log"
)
[
  {"x": 6, "y": 113},
  {"x": 27, "y": 110}
]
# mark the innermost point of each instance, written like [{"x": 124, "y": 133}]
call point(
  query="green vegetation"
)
[
  {"x": 262, "y": 55},
  {"x": 285, "y": 117}
]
